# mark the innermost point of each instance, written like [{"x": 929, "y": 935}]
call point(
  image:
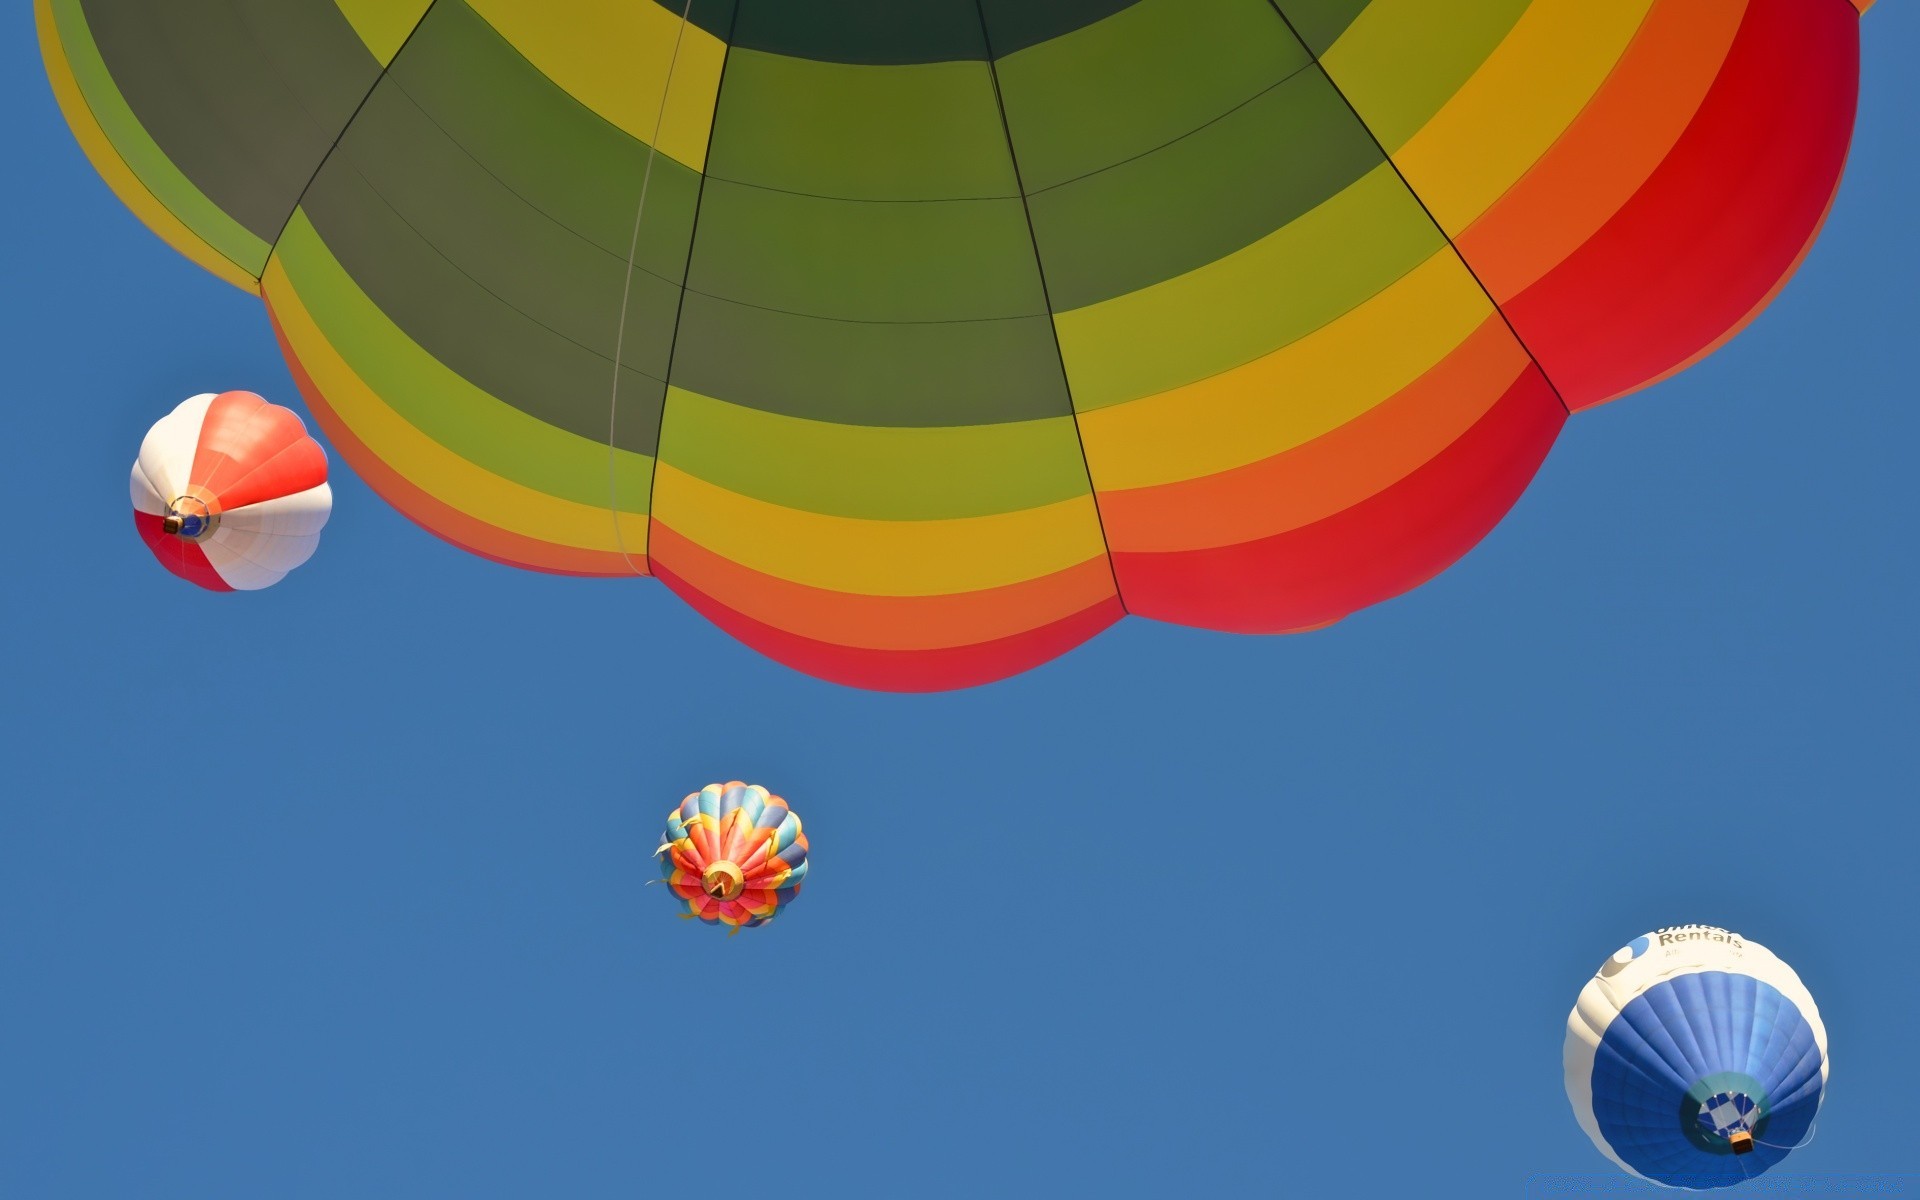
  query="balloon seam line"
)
[
  {"x": 273, "y": 246},
  {"x": 1046, "y": 298},
  {"x": 1417, "y": 199},
  {"x": 620, "y": 328},
  {"x": 686, "y": 273}
]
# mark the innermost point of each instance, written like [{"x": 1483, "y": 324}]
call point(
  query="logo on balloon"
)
[
  {"x": 1624, "y": 955},
  {"x": 1672, "y": 935}
]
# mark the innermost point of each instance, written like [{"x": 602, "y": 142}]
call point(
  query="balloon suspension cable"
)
[
  {"x": 626, "y": 294},
  {"x": 1802, "y": 1144},
  {"x": 1753, "y": 1143},
  {"x": 1813, "y": 1128}
]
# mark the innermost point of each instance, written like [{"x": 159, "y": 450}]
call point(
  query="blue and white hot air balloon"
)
[{"x": 1695, "y": 1058}]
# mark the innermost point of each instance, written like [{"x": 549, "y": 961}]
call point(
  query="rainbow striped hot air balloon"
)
[
  {"x": 229, "y": 492},
  {"x": 734, "y": 853},
  {"x": 1695, "y": 1058},
  {"x": 915, "y": 343}
]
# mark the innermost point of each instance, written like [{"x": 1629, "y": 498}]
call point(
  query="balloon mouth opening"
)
[
  {"x": 1731, "y": 1118},
  {"x": 190, "y": 519},
  {"x": 723, "y": 881}
]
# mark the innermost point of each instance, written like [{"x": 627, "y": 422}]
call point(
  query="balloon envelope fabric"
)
[
  {"x": 914, "y": 344},
  {"x": 734, "y": 853},
  {"x": 1695, "y": 1058},
  {"x": 229, "y": 491}
]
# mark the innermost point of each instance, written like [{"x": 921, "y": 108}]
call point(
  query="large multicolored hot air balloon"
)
[
  {"x": 734, "y": 853},
  {"x": 914, "y": 344},
  {"x": 229, "y": 492},
  {"x": 1695, "y": 1058}
]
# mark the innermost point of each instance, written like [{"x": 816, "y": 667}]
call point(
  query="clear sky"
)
[{"x": 337, "y": 890}]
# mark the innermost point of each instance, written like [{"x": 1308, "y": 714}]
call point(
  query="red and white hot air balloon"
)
[{"x": 229, "y": 492}]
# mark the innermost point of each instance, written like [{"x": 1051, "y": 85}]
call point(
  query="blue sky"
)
[{"x": 337, "y": 890}]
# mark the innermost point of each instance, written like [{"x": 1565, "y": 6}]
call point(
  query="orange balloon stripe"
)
[
  {"x": 1711, "y": 232},
  {"x": 755, "y": 862},
  {"x": 901, "y": 670},
  {"x": 445, "y": 522},
  {"x": 733, "y": 835},
  {"x": 768, "y": 878},
  {"x": 1335, "y": 471},
  {"x": 1384, "y": 546},
  {"x": 706, "y": 847},
  {"x": 1612, "y": 148},
  {"x": 882, "y": 622},
  {"x": 681, "y": 852}
]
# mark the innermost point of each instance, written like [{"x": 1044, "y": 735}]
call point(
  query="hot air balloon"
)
[
  {"x": 915, "y": 344},
  {"x": 1695, "y": 1058},
  {"x": 734, "y": 853},
  {"x": 229, "y": 492}
]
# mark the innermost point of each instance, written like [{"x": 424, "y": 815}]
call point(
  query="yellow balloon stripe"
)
[
  {"x": 878, "y": 558},
  {"x": 383, "y": 25},
  {"x": 1401, "y": 60},
  {"x": 1610, "y": 151},
  {"x": 1516, "y": 105},
  {"x": 894, "y": 473},
  {"x": 108, "y": 156},
  {"x": 1296, "y": 393},
  {"x": 614, "y": 57},
  {"x": 427, "y": 464},
  {"x": 442, "y": 403},
  {"x": 1250, "y": 303}
]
